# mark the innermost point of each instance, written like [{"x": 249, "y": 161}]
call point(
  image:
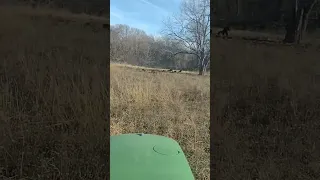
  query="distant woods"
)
[
  {"x": 184, "y": 44},
  {"x": 292, "y": 17},
  {"x": 134, "y": 46}
]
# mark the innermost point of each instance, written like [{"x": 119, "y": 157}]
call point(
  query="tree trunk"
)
[
  {"x": 305, "y": 25},
  {"x": 297, "y": 26},
  {"x": 201, "y": 69},
  {"x": 290, "y": 34},
  {"x": 202, "y": 62},
  {"x": 201, "y": 66},
  {"x": 291, "y": 27},
  {"x": 206, "y": 65},
  {"x": 306, "y": 18},
  {"x": 295, "y": 29}
]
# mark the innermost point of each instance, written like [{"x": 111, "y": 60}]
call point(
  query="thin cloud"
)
[
  {"x": 119, "y": 16},
  {"x": 153, "y": 5},
  {"x": 146, "y": 15}
]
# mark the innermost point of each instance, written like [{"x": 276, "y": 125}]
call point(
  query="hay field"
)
[
  {"x": 169, "y": 104},
  {"x": 53, "y": 96},
  {"x": 267, "y": 105}
]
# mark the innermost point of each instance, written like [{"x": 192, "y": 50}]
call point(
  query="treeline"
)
[
  {"x": 134, "y": 46},
  {"x": 93, "y": 7},
  {"x": 260, "y": 14}
]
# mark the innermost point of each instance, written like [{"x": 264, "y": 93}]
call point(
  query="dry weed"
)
[
  {"x": 53, "y": 97},
  {"x": 169, "y": 104},
  {"x": 266, "y": 99}
]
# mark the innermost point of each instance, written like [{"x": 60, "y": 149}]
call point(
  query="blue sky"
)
[{"x": 147, "y": 15}]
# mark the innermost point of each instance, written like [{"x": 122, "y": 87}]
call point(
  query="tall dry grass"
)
[
  {"x": 267, "y": 108},
  {"x": 53, "y": 99},
  {"x": 169, "y": 104}
]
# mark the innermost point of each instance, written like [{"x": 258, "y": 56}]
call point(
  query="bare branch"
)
[{"x": 192, "y": 29}]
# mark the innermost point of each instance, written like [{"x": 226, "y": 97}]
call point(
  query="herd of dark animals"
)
[
  {"x": 169, "y": 70},
  {"x": 225, "y": 34}
]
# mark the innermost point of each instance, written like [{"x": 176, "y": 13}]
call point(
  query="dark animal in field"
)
[
  {"x": 170, "y": 70},
  {"x": 180, "y": 70},
  {"x": 224, "y": 32},
  {"x": 143, "y": 70}
]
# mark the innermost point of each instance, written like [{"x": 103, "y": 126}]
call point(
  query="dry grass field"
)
[
  {"x": 53, "y": 98},
  {"x": 170, "y": 104},
  {"x": 266, "y": 113}
]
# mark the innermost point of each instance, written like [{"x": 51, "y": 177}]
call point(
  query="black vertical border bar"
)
[
  {"x": 108, "y": 93},
  {"x": 211, "y": 94}
]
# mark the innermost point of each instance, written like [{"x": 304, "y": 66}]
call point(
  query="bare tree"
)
[
  {"x": 134, "y": 46},
  {"x": 297, "y": 26},
  {"x": 191, "y": 28}
]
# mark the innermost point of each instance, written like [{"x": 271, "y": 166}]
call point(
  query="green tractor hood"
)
[{"x": 147, "y": 157}]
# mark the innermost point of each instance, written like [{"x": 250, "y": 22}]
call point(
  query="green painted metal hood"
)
[{"x": 147, "y": 157}]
